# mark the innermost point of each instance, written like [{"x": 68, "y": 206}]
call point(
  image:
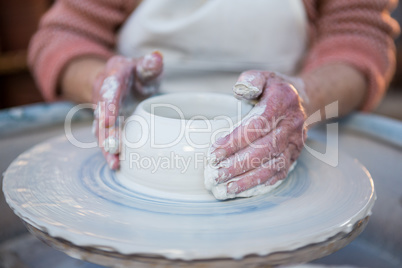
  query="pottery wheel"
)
[{"x": 68, "y": 193}]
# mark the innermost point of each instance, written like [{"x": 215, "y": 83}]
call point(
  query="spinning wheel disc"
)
[{"x": 68, "y": 192}]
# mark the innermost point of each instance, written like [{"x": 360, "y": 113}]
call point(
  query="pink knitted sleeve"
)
[
  {"x": 70, "y": 29},
  {"x": 356, "y": 32}
]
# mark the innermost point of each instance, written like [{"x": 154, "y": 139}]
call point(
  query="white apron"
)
[{"x": 207, "y": 43}]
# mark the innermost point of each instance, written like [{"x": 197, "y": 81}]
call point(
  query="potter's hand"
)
[
  {"x": 261, "y": 149},
  {"x": 120, "y": 77}
]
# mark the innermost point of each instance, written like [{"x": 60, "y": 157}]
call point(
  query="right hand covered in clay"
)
[
  {"x": 260, "y": 150},
  {"x": 119, "y": 78}
]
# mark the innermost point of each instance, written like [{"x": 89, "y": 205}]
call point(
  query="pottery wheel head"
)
[{"x": 70, "y": 193}]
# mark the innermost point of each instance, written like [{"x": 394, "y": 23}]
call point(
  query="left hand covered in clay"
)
[
  {"x": 120, "y": 77},
  {"x": 262, "y": 148}
]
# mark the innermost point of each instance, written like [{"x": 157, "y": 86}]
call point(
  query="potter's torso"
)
[{"x": 208, "y": 43}]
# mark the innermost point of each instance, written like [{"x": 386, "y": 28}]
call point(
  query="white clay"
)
[
  {"x": 111, "y": 145},
  {"x": 173, "y": 129},
  {"x": 246, "y": 90},
  {"x": 220, "y": 191},
  {"x": 109, "y": 88}
]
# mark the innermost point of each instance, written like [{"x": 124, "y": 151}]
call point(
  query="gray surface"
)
[
  {"x": 20, "y": 129},
  {"x": 27, "y": 251},
  {"x": 381, "y": 242}
]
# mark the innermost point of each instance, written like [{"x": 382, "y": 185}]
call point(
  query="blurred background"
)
[{"x": 19, "y": 20}]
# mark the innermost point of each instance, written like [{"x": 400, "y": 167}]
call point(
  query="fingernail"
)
[
  {"x": 232, "y": 188},
  {"x": 216, "y": 156},
  {"x": 150, "y": 64},
  {"x": 111, "y": 145},
  {"x": 109, "y": 88},
  {"x": 226, "y": 163},
  {"x": 245, "y": 90},
  {"x": 223, "y": 175},
  {"x": 149, "y": 61},
  {"x": 113, "y": 162},
  {"x": 158, "y": 53},
  {"x": 114, "y": 165},
  {"x": 220, "y": 154}
]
